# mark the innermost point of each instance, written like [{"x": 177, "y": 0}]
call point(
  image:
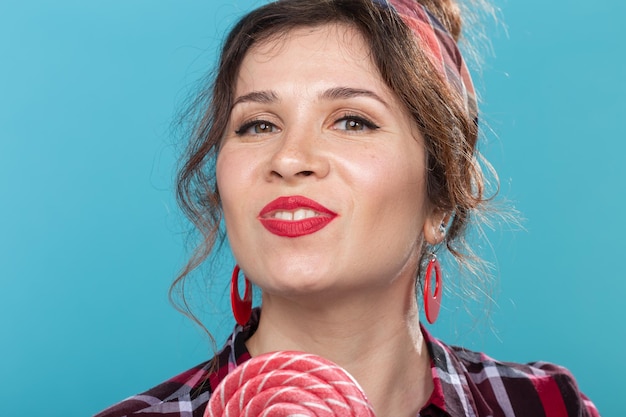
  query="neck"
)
[{"x": 376, "y": 339}]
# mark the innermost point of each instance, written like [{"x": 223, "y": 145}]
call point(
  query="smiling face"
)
[{"x": 321, "y": 171}]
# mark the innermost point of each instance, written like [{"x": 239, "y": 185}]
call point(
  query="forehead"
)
[
  {"x": 332, "y": 32},
  {"x": 311, "y": 54}
]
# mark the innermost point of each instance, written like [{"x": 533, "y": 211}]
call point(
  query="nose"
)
[{"x": 299, "y": 154}]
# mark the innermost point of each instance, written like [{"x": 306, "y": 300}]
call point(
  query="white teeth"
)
[
  {"x": 299, "y": 214},
  {"x": 284, "y": 215},
  {"x": 303, "y": 214}
]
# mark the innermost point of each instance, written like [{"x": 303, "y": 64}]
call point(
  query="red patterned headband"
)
[{"x": 439, "y": 46}]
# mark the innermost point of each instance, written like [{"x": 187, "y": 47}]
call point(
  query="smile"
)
[{"x": 295, "y": 216}]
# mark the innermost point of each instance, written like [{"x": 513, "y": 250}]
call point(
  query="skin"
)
[{"x": 347, "y": 291}]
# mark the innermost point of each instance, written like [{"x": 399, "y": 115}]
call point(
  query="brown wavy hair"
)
[{"x": 455, "y": 179}]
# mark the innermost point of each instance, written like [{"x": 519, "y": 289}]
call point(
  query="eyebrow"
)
[
  {"x": 347, "y": 92},
  {"x": 337, "y": 93},
  {"x": 262, "y": 97}
]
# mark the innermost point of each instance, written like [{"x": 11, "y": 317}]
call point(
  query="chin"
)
[{"x": 301, "y": 284}]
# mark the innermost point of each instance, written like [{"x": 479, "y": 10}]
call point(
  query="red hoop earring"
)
[
  {"x": 242, "y": 308},
  {"x": 432, "y": 302}
]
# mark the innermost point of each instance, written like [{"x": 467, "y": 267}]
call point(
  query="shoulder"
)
[
  {"x": 526, "y": 387},
  {"x": 498, "y": 388},
  {"x": 188, "y": 393},
  {"x": 184, "y": 392}
]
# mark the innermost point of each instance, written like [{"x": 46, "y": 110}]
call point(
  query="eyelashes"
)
[
  {"x": 256, "y": 127},
  {"x": 349, "y": 122},
  {"x": 354, "y": 123}
]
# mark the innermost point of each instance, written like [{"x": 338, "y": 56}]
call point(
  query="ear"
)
[{"x": 435, "y": 227}]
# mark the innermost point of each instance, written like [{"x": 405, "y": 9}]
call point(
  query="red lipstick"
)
[{"x": 295, "y": 216}]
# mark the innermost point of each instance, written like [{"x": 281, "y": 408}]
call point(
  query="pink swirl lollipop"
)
[{"x": 283, "y": 384}]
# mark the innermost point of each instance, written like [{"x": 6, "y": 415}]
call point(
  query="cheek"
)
[
  {"x": 233, "y": 173},
  {"x": 237, "y": 176},
  {"x": 229, "y": 185},
  {"x": 398, "y": 182},
  {"x": 398, "y": 176},
  {"x": 221, "y": 177}
]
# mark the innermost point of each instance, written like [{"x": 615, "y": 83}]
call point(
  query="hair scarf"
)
[{"x": 440, "y": 47}]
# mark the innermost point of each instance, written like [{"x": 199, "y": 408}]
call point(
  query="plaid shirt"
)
[{"x": 466, "y": 384}]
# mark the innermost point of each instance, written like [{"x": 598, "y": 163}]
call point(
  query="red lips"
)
[{"x": 301, "y": 206}]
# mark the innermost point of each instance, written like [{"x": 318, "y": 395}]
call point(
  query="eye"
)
[
  {"x": 256, "y": 127},
  {"x": 353, "y": 123}
]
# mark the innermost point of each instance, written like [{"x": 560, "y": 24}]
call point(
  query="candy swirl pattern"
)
[{"x": 288, "y": 384}]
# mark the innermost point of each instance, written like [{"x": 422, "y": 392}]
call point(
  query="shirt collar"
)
[{"x": 451, "y": 394}]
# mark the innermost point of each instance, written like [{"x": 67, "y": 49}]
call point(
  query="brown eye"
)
[
  {"x": 354, "y": 124},
  {"x": 263, "y": 127},
  {"x": 256, "y": 127}
]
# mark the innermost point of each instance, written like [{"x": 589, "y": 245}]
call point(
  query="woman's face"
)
[{"x": 321, "y": 170}]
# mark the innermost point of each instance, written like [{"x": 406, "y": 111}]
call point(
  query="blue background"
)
[{"x": 90, "y": 235}]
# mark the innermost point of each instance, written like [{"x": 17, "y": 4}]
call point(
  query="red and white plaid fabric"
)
[
  {"x": 467, "y": 384},
  {"x": 439, "y": 46}
]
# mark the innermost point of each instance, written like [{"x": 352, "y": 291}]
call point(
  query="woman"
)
[{"x": 339, "y": 146}]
